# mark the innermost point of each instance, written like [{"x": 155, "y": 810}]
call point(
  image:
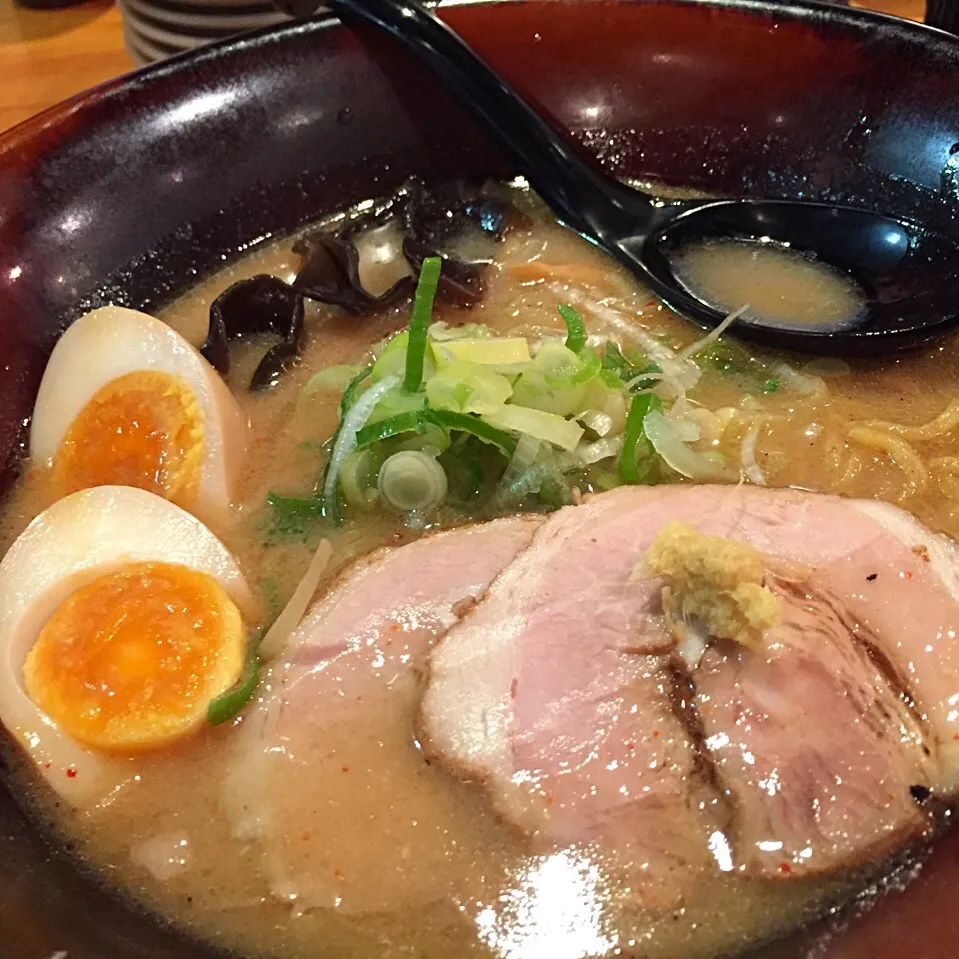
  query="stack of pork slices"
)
[{"x": 534, "y": 657}]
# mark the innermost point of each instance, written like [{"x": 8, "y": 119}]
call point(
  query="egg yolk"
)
[
  {"x": 131, "y": 660},
  {"x": 142, "y": 429}
]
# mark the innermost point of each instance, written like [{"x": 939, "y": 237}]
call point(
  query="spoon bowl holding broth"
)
[{"x": 778, "y": 286}]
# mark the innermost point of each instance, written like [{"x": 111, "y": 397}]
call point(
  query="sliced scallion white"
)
[
  {"x": 662, "y": 433},
  {"x": 596, "y": 420},
  {"x": 588, "y": 453},
  {"x": 687, "y": 430},
  {"x": 412, "y": 480}
]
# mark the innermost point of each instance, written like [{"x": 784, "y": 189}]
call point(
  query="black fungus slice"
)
[
  {"x": 371, "y": 262},
  {"x": 367, "y": 264},
  {"x": 261, "y": 304},
  {"x": 361, "y": 267},
  {"x": 461, "y": 223}
]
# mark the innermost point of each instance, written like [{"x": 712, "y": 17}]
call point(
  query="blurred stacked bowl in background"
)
[{"x": 154, "y": 29}]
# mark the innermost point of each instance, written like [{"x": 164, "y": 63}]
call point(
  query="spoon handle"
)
[{"x": 585, "y": 198}]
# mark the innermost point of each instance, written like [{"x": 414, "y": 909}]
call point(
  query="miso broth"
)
[{"x": 418, "y": 862}]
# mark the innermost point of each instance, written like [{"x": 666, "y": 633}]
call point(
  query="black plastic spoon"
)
[{"x": 908, "y": 275}]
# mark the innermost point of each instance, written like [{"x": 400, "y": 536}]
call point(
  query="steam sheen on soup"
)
[{"x": 356, "y": 805}]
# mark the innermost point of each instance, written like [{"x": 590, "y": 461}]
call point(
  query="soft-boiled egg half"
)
[
  {"x": 121, "y": 618},
  {"x": 126, "y": 400}
]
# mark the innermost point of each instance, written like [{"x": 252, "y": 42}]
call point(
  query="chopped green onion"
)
[
  {"x": 527, "y": 449},
  {"x": 420, "y": 322},
  {"x": 629, "y": 467},
  {"x": 392, "y": 361},
  {"x": 353, "y": 420},
  {"x": 412, "y": 421},
  {"x": 465, "y": 423},
  {"x": 596, "y": 420},
  {"x": 554, "y": 493},
  {"x": 731, "y": 359},
  {"x": 293, "y": 516},
  {"x": 349, "y": 394},
  {"x": 602, "y": 449},
  {"x": 516, "y": 488},
  {"x": 433, "y": 440},
  {"x": 667, "y": 438},
  {"x": 556, "y": 379},
  {"x": 227, "y": 705},
  {"x": 467, "y": 388},
  {"x": 394, "y": 402},
  {"x": 628, "y": 369},
  {"x": 549, "y": 427},
  {"x": 412, "y": 480},
  {"x": 532, "y": 390},
  {"x": 575, "y": 328},
  {"x": 346, "y": 402},
  {"x": 488, "y": 351},
  {"x": 464, "y": 473},
  {"x": 271, "y": 593},
  {"x": 561, "y": 367},
  {"x": 611, "y": 403},
  {"x": 726, "y": 358},
  {"x": 614, "y": 361},
  {"x": 358, "y": 478},
  {"x": 419, "y": 421},
  {"x": 588, "y": 368}
]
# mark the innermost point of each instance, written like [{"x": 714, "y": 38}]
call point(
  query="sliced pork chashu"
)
[
  {"x": 331, "y": 741},
  {"x": 819, "y": 753},
  {"x": 540, "y": 693},
  {"x": 552, "y": 693}
]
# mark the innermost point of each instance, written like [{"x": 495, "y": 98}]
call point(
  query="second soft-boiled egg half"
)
[
  {"x": 122, "y": 617},
  {"x": 126, "y": 400}
]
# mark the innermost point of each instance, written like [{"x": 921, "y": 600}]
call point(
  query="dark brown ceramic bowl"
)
[{"x": 128, "y": 192}]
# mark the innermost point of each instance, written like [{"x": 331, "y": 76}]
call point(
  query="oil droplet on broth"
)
[{"x": 782, "y": 286}]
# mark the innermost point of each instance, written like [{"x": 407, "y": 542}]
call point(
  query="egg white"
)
[
  {"x": 112, "y": 341},
  {"x": 79, "y": 538}
]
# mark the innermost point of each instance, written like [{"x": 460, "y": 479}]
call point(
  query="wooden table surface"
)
[{"x": 47, "y": 56}]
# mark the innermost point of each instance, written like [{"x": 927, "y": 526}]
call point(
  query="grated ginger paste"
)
[{"x": 718, "y": 581}]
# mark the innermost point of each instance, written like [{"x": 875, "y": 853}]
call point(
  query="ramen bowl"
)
[{"x": 129, "y": 193}]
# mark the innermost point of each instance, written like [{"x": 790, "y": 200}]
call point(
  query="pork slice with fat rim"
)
[
  {"x": 327, "y": 778},
  {"x": 823, "y": 758},
  {"x": 819, "y": 739},
  {"x": 551, "y": 690},
  {"x": 542, "y": 693}
]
